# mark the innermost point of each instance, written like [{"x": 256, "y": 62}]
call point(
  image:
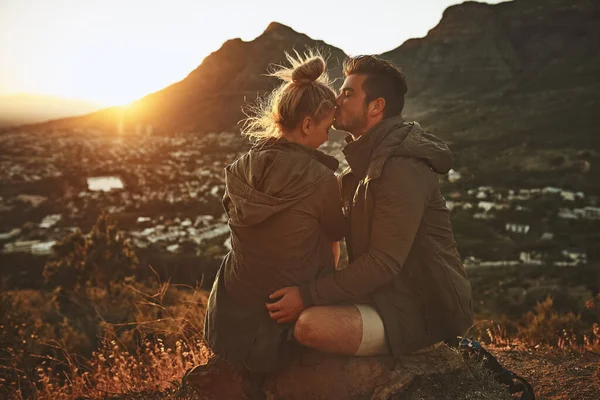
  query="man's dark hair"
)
[{"x": 383, "y": 79}]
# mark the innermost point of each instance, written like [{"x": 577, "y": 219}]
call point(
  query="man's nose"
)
[{"x": 338, "y": 100}]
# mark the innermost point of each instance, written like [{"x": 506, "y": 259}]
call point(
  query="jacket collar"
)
[{"x": 364, "y": 151}]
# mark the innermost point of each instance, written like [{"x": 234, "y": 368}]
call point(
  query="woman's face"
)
[{"x": 318, "y": 131}]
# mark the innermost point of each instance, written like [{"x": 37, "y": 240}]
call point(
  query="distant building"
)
[
  {"x": 33, "y": 200},
  {"x": 591, "y": 213},
  {"x": 547, "y": 236},
  {"x": 499, "y": 263},
  {"x": 35, "y": 247},
  {"x": 567, "y": 196},
  {"x": 522, "y": 229},
  {"x": 486, "y": 205},
  {"x": 453, "y": 176},
  {"x": 43, "y": 248},
  {"x": 50, "y": 220},
  {"x": 531, "y": 258},
  {"x": 571, "y": 259},
  {"x": 566, "y": 213},
  {"x": 551, "y": 190},
  {"x": 484, "y": 216},
  {"x": 473, "y": 262},
  {"x": 491, "y": 205},
  {"x": 11, "y": 234},
  {"x": 578, "y": 256}
]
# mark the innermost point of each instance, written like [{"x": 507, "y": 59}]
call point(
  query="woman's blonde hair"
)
[{"x": 306, "y": 91}]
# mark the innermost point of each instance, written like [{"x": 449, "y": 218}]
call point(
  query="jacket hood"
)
[
  {"x": 395, "y": 137},
  {"x": 271, "y": 178}
]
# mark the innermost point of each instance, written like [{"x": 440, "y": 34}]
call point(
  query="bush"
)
[{"x": 545, "y": 326}]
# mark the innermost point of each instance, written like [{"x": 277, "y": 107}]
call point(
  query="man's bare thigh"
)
[{"x": 330, "y": 329}]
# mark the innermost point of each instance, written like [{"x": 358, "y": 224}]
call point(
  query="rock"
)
[
  {"x": 216, "y": 380},
  {"x": 368, "y": 378},
  {"x": 316, "y": 376}
]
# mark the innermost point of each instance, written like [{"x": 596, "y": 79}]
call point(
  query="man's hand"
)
[{"x": 288, "y": 307}]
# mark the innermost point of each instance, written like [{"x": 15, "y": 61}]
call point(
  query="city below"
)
[{"x": 166, "y": 191}]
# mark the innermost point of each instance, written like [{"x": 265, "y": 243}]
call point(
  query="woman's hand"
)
[{"x": 288, "y": 307}]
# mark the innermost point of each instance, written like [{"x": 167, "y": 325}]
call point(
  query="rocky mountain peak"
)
[
  {"x": 280, "y": 32},
  {"x": 277, "y": 27}
]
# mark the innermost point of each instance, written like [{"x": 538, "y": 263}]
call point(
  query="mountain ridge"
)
[
  {"x": 477, "y": 49},
  {"x": 508, "y": 85}
]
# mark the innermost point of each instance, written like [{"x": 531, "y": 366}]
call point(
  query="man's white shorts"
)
[{"x": 373, "y": 340}]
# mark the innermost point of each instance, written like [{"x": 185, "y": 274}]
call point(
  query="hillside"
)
[{"x": 514, "y": 87}]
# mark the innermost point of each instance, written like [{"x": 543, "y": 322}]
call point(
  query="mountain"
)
[
  {"x": 521, "y": 45},
  {"x": 514, "y": 87},
  {"x": 209, "y": 99},
  {"x": 19, "y": 109}
]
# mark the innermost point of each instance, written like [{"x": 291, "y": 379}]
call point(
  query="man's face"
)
[{"x": 352, "y": 113}]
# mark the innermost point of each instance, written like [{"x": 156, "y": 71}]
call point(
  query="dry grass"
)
[
  {"x": 112, "y": 370},
  {"x": 544, "y": 327},
  {"x": 147, "y": 357},
  {"x": 149, "y": 354}
]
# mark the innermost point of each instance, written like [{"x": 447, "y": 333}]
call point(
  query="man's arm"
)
[{"x": 400, "y": 199}]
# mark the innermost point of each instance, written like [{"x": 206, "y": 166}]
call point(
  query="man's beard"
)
[{"x": 355, "y": 123}]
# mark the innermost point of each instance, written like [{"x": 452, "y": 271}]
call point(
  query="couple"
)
[{"x": 404, "y": 290}]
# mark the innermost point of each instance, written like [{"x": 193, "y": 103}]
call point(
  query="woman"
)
[{"x": 284, "y": 208}]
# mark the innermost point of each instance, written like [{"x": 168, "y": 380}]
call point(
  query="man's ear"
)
[
  {"x": 378, "y": 105},
  {"x": 306, "y": 125}
]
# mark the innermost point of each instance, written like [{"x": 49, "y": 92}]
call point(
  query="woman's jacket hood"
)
[{"x": 271, "y": 178}]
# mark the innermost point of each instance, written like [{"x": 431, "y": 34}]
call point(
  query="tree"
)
[
  {"x": 103, "y": 257},
  {"x": 110, "y": 257},
  {"x": 85, "y": 268},
  {"x": 66, "y": 267}
]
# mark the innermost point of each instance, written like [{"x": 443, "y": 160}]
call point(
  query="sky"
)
[{"x": 115, "y": 51}]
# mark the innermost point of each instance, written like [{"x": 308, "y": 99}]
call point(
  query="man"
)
[{"x": 405, "y": 288}]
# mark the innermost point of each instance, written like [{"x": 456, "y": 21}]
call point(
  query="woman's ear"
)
[{"x": 307, "y": 123}]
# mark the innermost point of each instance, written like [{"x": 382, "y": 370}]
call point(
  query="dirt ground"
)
[{"x": 555, "y": 374}]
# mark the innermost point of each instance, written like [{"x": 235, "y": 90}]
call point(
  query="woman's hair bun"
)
[
  {"x": 309, "y": 71},
  {"x": 305, "y": 91}
]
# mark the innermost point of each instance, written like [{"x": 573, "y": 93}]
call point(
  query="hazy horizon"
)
[
  {"x": 120, "y": 51},
  {"x": 26, "y": 108}
]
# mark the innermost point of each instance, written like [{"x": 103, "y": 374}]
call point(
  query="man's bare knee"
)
[{"x": 304, "y": 331}]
